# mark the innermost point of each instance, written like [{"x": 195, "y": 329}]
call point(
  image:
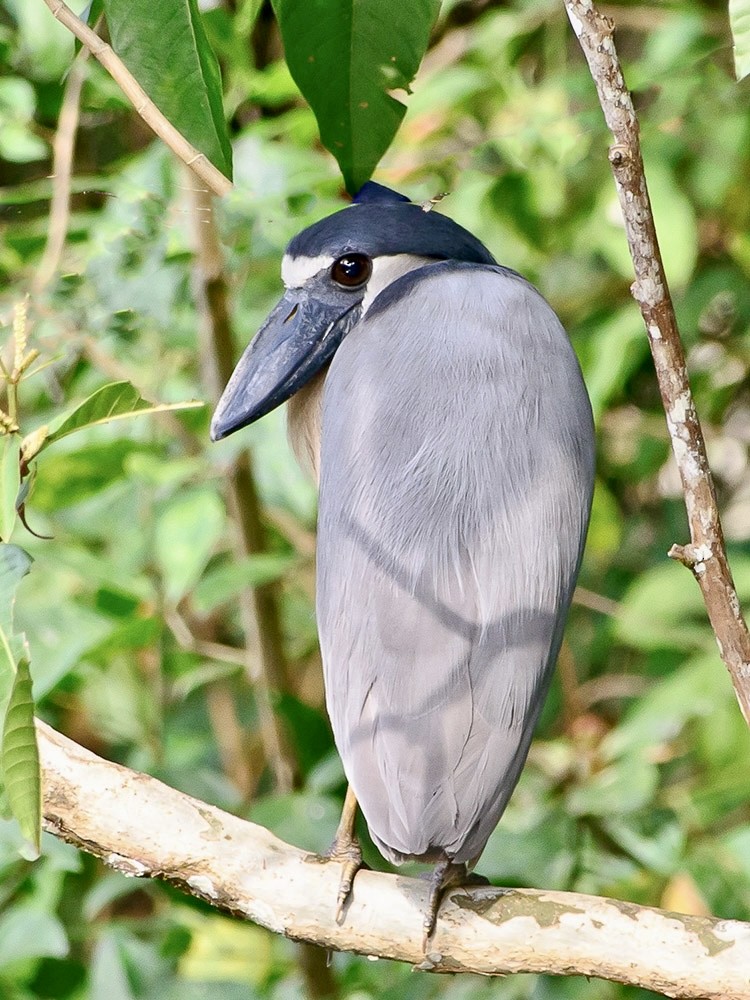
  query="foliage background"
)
[{"x": 637, "y": 785}]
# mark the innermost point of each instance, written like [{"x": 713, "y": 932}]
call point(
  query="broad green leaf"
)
[
  {"x": 663, "y": 607},
  {"x": 112, "y": 402},
  {"x": 20, "y": 758},
  {"x": 10, "y": 483},
  {"x": 26, "y": 931},
  {"x": 14, "y": 565},
  {"x": 739, "y": 21},
  {"x": 660, "y": 714},
  {"x": 676, "y": 224},
  {"x": 19, "y": 762},
  {"x": 605, "y": 528},
  {"x": 43, "y": 45},
  {"x": 61, "y": 631},
  {"x": 109, "y": 977},
  {"x": 18, "y": 142},
  {"x": 538, "y": 855},
  {"x": 653, "y": 838},
  {"x": 164, "y": 45},
  {"x": 622, "y": 787},
  {"x": 227, "y": 952},
  {"x": 222, "y": 584},
  {"x": 186, "y": 535},
  {"x": 307, "y": 820},
  {"x": 621, "y": 345},
  {"x": 347, "y": 56},
  {"x": 72, "y": 477}
]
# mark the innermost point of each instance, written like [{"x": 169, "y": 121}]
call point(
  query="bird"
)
[{"x": 436, "y": 398}]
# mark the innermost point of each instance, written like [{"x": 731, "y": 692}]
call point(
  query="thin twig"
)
[
  {"x": 204, "y": 647},
  {"x": 595, "y": 602},
  {"x": 611, "y": 686},
  {"x": 144, "y": 106},
  {"x": 705, "y": 554},
  {"x": 63, "y": 148},
  {"x": 259, "y": 609},
  {"x": 144, "y": 828}
]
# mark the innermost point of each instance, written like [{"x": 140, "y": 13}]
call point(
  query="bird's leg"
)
[
  {"x": 446, "y": 875},
  {"x": 346, "y": 850}
]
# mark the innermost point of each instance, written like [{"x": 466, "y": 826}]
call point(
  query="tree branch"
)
[
  {"x": 706, "y": 554},
  {"x": 141, "y": 827},
  {"x": 142, "y": 103},
  {"x": 63, "y": 149}
]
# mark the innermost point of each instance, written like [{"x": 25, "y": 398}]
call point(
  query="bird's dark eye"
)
[{"x": 352, "y": 270}]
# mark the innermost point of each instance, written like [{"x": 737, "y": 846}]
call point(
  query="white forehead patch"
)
[
  {"x": 297, "y": 271},
  {"x": 385, "y": 270}
]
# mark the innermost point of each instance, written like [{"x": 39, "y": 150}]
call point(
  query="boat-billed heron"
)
[{"x": 439, "y": 402}]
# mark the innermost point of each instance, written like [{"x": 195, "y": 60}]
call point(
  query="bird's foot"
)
[
  {"x": 346, "y": 850},
  {"x": 446, "y": 875},
  {"x": 349, "y": 855}
]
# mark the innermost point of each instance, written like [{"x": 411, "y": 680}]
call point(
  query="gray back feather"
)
[{"x": 455, "y": 487}]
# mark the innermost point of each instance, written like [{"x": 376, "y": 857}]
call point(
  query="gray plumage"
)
[
  {"x": 455, "y": 485},
  {"x": 442, "y": 404}
]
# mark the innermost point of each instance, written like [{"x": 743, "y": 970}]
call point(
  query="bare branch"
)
[
  {"x": 706, "y": 554},
  {"x": 62, "y": 169},
  {"x": 142, "y": 827},
  {"x": 142, "y": 103}
]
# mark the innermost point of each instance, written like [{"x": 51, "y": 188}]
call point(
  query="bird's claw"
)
[
  {"x": 349, "y": 855},
  {"x": 446, "y": 875},
  {"x": 349, "y": 868}
]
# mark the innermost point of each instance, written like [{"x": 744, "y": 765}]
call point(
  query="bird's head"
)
[{"x": 332, "y": 272}]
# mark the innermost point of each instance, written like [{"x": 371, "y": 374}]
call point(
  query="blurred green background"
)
[{"x": 136, "y": 610}]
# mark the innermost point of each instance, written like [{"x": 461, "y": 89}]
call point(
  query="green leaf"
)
[
  {"x": 109, "y": 977},
  {"x": 660, "y": 714},
  {"x": 622, "y": 787},
  {"x": 621, "y": 345},
  {"x": 20, "y": 759},
  {"x": 537, "y": 855},
  {"x": 663, "y": 607},
  {"x": 10, "y": 483},
  {"x": 186, "y": 535},
  {"x": 739, "y": 22},
  {"x": 653, "y": 838},
  {"x": 26, "y": 931},
  {"x": 164, "y": 45},
  {"x": 112, "y": 402},
  {"x": 71, "y": 477},
  {"x": 14, "y": 565},
  {"x": 347, "y": 56},
  {"x": 222, "y": 584},
  {"x": 301, "y": 818}
]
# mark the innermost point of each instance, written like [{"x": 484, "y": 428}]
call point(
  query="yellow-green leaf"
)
[
  {"x": 20, "y": 758},
  {"x": 14, "y": 565},
  {"x": 112, "y": 402},
  {"x": 739, "y": 21},
  {"x": 10, "y": 482}
]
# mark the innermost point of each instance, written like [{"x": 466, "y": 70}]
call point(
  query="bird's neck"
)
[{"x": 304, "y": 423}]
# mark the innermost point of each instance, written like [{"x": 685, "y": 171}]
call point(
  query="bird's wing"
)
[{"x": 456, "y": 479}]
